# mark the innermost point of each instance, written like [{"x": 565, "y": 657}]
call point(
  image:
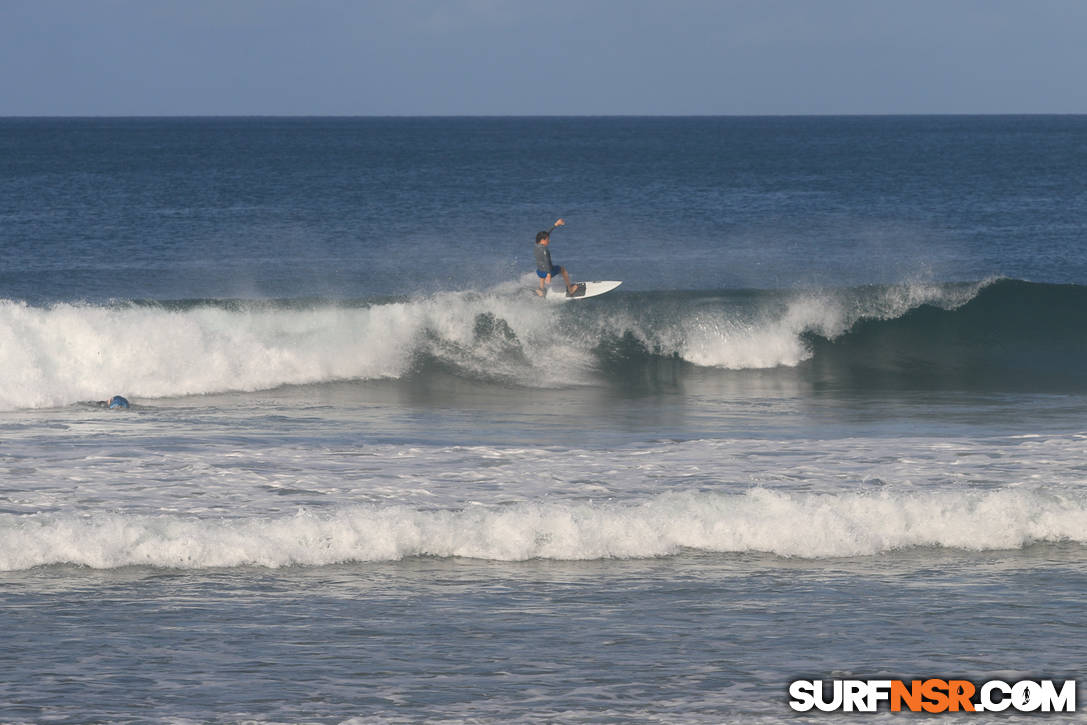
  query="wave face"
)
[
  {"x": 1012, "y": 335},
  {"x": 760, "y": 520},
  {"x": 1002, "y": 334}
]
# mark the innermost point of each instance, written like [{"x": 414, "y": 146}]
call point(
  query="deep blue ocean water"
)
[{"x": 831, "y": 424}]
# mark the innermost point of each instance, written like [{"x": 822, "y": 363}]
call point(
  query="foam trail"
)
[{"x": 760, "y": 520}]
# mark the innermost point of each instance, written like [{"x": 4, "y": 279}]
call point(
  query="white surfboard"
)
[{"x": 592, "y": 289}]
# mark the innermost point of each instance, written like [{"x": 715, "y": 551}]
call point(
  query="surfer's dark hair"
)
[{"x": 540, "y": 236}]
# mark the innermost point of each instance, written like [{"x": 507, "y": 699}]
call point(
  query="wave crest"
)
[
  {"x": 760, "y": 520},
  {"x": 995, "y": 332}
]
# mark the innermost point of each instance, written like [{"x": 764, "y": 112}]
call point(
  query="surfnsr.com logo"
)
[{"x": 933, "y": 695}]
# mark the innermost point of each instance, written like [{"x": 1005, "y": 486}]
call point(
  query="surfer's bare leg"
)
[{"x": 566, "y": 279}]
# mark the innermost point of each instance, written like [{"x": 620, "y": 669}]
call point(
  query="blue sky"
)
[{"x": 522, "y": 57}]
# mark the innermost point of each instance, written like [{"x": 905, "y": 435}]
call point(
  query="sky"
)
[{"x": 532, "y": 57}]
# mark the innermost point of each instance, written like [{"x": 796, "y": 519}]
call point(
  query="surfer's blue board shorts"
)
[{"x": 555, "y": 269}]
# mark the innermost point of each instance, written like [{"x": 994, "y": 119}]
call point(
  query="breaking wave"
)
[
  {"x": 1002, "y": 332},
  {"x": 760, "y": 520}
]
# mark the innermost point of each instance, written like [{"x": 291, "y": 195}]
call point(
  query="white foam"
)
[
  {"x": 793, "y": 525},
  {"x": 717, "y": 341},
  {"x": 68, "y": 353},
  {"x": 773, "y": 338}
]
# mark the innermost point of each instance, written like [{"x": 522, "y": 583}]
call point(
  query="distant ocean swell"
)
[
  {"x": 997, "y": 333},
  {"x": 760, "y": 520}
]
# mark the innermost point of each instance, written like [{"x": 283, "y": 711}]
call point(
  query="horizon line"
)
[{"x": 536, "y": 116}]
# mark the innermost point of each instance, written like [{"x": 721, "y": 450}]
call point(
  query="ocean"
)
[{"x": 833, "y": 424}]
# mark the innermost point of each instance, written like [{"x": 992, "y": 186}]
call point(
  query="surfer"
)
[
  {"x": 117, "y": 401},
  {"x": 545, "y": 269}
]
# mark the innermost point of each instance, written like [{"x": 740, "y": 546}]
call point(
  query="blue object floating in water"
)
[{"x": 117, "y": 402}]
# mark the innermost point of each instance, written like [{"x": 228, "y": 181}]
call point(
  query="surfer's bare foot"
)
[{"x": 539, "y": 293}]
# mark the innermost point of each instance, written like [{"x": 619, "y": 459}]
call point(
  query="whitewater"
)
[
  {"x": 65, "y": 353},
  {"x": 760, "y": 521}
]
